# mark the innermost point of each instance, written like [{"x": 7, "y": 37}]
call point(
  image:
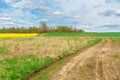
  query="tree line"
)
[{"x": 42, "y": 29}]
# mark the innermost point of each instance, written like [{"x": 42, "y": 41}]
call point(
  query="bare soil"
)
[
  {"x": 96, "y": 63},
  {"x": 99, "y": 62}
]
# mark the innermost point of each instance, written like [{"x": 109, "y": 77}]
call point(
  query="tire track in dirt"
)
[
  {"x": 76, "y": 62},
  {"x": 103, "y": 70},
  {"x": 99, "y": 62},
  {"x": 63, "y": 59},
  {"x": 95, "y": 63}
]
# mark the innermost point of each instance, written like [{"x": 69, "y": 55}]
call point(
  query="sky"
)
[{"x": 90, "y": 15}]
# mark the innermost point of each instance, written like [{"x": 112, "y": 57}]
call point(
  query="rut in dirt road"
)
[{"x": 95, "y": 63}]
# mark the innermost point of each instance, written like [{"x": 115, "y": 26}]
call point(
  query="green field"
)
[{"x": 106, "y": 34}]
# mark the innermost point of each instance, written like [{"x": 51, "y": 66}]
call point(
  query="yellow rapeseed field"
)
[{"x": 14, "y": 35}]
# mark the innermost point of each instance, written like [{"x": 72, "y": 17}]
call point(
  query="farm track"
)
[
  {"x": 95, "y": 63},
  {"x": 77, "y": 61}
]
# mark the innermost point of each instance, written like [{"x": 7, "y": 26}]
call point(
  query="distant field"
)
[
  {"x": 104, "y": 34},
  {"x": 13, "y": 35},
  {"x": 107, "y": 34}
]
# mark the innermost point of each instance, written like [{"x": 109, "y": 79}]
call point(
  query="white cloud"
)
[
  {"x": 29, "y": 4},
  {"x": 23, "y": 4},
  {"x": 9, "y": 1},
  {"x": 6, "y": 23},
  {"x": 17, "y": 17},
  {"x": 117, "y": 12},
  {"x": 42, "y": 20},
  {"x": 76, "y": 16},
  {"x": 58, "y": 13},
  {"x": 4, "y": 14},
  {"x": 5, "y": 18}
]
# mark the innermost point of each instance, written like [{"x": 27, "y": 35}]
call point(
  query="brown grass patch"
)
[{"x": 43, "y": 46}]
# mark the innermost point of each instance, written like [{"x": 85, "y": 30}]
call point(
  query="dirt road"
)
[{"x": 99, "y": 62}]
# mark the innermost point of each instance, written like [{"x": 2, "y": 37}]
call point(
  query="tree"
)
[
  {"x": 43, "y": 27},
  {"x": 64, "y": 29}
]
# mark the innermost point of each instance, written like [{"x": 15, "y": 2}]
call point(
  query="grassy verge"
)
[
  {"x": 116, "y": 39},
  {"x": 93, "y": 41},
  {"x": 44, "y": 75},
  {"x": 4, "y": 50},
  {"x": 19, "y": 67},
  {"x": 116, "y": 56}
]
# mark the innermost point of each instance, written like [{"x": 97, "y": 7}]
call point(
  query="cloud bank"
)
[{"x": 89, "y": 15}]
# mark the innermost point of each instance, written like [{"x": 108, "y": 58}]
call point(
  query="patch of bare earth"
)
[{"x": 100, "y": 62}]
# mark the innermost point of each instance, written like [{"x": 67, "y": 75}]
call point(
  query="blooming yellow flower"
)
[{"x": 13, "y": 35}]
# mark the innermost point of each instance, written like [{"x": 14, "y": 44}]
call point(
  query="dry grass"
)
[{"x": 43, "y": 46}]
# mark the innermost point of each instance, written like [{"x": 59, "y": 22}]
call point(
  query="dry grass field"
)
[
  {"x": 21, "y": 56},
  {"x": 42, "y": 46}
]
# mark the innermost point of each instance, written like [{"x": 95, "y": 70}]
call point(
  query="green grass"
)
[
  {"x": 24, "y": 39},
  {"x": 65, "y": 52},
  {"x": 19, "y": 39},
  {"x": 116, "y": 39},
  {"x": 116, "y": 56},
  {"x": 93, "y": 41},
  {"x": 61, "y": 34},
  {"x": 113, "y": 34},
  {"x": 45, "y": 74},
  {"x": 4, "y": 50},
  {"x": 19, "y": 67}
]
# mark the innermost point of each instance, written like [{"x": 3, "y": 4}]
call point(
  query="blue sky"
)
[{"x": 90, "y": 15}]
